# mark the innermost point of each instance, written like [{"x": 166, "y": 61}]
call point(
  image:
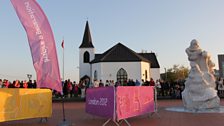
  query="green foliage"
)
[{"x": 175, "y": 73}]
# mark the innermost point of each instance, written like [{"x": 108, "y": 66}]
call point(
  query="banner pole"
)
[
  {"x": 114, "y": 115},
  {"x": 155, "y": 102}
]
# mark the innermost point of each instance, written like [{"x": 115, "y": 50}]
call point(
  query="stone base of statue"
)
[
  {"x": 220, "y": 109},
  {"x": 202, "y": 105},
  {"x": 199, "y": 92}
]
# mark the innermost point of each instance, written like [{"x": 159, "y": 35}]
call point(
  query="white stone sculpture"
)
[{"x": 199, "y": 92}]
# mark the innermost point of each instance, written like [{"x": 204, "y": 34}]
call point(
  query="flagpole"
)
[
  {"x": 63, "y": 62},
  {"x": 64, "y": 122},
  {"x": 63, "y": 76}
]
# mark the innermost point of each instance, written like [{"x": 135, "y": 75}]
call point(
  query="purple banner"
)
[
  {"x": 100, "y": 101},
  {"x": 133, "y": 101},
  {"x": 41, "y": 41}
]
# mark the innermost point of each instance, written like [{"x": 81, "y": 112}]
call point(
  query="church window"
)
[
  {"x": 86, "y": 57},
  {"x": 95, "y": 75},
  {"x": 122, "y": 76}
]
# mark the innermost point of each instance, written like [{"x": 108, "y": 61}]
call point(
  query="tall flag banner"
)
[{"x": 42, "y": 43}]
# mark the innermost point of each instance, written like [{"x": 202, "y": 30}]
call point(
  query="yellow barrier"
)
[{"x": 16, "y": 104}]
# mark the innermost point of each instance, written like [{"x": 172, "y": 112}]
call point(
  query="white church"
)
[{"x": 119, "y": 63}]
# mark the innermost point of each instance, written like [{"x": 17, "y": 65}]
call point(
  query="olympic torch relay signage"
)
[
  {"x": 41, "y": 41},
  {"x": 100, "y": 101},
  {"x": 133, "y": 101}
]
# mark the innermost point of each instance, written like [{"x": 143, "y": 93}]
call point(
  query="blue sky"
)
[{"x": 164, "y": 27}]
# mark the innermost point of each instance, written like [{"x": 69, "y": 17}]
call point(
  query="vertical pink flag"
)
[{"x": 41, "y": 41}]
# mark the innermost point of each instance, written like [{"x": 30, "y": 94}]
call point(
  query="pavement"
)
[{"x": 75, "y": 114}]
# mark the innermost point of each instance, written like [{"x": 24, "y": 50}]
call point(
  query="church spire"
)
[{"x": 87, "y": 40}]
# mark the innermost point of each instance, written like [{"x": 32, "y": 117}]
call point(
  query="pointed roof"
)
[
  {"x": 87, "y": 40},
  {"x": 119, "y": 53}
]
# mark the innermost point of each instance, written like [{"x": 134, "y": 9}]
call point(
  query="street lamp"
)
[{"x": 29, "y": 76}]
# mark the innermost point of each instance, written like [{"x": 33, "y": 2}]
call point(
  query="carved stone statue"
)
[{"x": 199, "y": 92}]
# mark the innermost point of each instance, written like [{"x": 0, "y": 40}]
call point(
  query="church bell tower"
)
[{"x": 86, "y": 53}]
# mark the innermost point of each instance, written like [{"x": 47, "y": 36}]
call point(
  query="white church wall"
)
[
  {"x": 84, "y": 68},
  {"x": 145, "y": 67},
  {"x": 108, "y": 71},
  {"x": 96, "y": 67},
  {"x": 135, "y": 70},
  {"x": 155, "y": 72}
]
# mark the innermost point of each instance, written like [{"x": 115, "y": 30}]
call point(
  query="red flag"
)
[
  {"x": 41, "y": 41},
  {"x": 62, "y": 44}
]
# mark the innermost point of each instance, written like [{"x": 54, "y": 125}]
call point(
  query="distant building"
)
[
  {"x": 119, "y": 63},
  {"x": 221, "y": 65}
]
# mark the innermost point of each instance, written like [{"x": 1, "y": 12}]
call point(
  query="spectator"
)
[
  {"x": 76, "y": 89},
  {"x": 107, "y": 83},
  {"x": 151, "y": 82},
  {"x": 117, "y": 84},
  {"x": 1, "y": 83},
  {"x": 34, "y": 84},
  {"x": 142, "y": 83},
  {"x": 111, "y": 83},
  {"x": 137, "y": 83},
  {"x": 69, "y": 87},
  {"x": 25, "y": 85},
  {"x": 158, "y": 87},
  {"x": 6, "y": 83},
  {"x": 30, "y": 84},
  {"x": 95, "y": 83},
  {"x": 17, "y": 84},
  {"x": 65, "y": 88},
  {"x": 220, "y": 87},
  {"x": 101, "y": 84}
]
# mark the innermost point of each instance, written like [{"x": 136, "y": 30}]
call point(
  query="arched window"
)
[
  {"x": 122, "y": 76},
  {"x": 86, "y": 57},
  {"x": 95, "y": 75}
]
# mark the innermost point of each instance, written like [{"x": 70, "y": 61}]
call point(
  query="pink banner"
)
[
  {"x": 41, "y": 41},
  {"x": 134, "y": 101}
]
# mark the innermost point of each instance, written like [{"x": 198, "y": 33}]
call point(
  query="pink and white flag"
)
[{"x": 41, "y": 41}]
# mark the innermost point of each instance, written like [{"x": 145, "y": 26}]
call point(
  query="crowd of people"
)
[
  {"x": 164, "y": 89},
  {"x": 17, "y": 84},
  {"x": 169, "y": 89},
  {"x": 220, "y": 86},
  {"x": 73, "y": 89}
]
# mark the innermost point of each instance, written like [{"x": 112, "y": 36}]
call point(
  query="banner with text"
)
[
  {"x": 133, "y": 101},
  {"x": 41, "y": 41},
  {"x": 100, "y": 101}
]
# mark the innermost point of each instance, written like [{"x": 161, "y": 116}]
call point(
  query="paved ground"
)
[{"x": 75, "y": 113}]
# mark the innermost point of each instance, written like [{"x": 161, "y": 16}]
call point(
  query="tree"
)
[{"x": 175, "y": 73}]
